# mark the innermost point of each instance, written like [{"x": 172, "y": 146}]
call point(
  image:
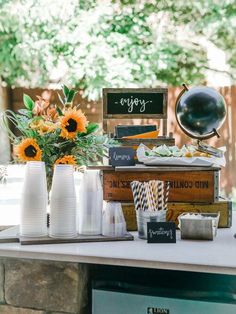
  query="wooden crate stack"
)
[{"x": 192, "y": 189}]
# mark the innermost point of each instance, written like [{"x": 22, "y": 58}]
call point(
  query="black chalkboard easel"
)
[{"x": 135, "y": 103}]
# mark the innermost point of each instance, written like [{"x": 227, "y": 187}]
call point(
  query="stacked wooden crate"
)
[{"x": 192, "y": 189}]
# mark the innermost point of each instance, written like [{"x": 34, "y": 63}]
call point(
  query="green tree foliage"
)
[{"x": 93, "y": 44}]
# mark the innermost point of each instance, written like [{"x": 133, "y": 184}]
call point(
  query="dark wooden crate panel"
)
[
  {"x": 194, "y": 186},
  {"x": 176, "y": 209},
  {"x": 129, "y": 130},
  {"x": 160, "y": 140}
]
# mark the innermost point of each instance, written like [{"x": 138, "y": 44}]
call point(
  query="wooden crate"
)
[
  {"x": 149, "y": 142},
  {"x": 187, "y": 184},
  {"x": 176, "y": 209}
]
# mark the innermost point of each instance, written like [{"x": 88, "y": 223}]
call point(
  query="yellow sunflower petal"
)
[
  {"x": 72, "y": 122},
  {"x": 67, "y": 159},
  {"x": 28, "y": 150}
]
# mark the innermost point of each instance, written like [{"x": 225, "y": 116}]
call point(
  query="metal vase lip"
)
[{"x": 143, "y": 217}]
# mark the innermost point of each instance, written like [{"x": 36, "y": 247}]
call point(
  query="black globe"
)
[{"x": 200, "y": 111}]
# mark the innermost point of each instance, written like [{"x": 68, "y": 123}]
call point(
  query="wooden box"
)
[
  {"x": 176, "y": 209},
  {"x": 150, "y": 143},
  {"x": 187, "y": 184}
]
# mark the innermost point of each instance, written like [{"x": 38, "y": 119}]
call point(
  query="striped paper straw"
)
[
  {"x": 144, "y": 201},
  {"x": 152, "y": 196},
  {"x": 135, "y": 189},
  {"x": 160, "y": 195},
  {"x": 167, "y": 194},
  {"x": 154, "y": 185}
]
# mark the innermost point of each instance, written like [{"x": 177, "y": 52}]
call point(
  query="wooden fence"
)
[{"x": 93, "y": 111}]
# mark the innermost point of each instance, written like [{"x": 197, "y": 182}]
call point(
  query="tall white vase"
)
[
  {"x": 63, "y": 203},
  {"x": 33, "y": 218},
  {"x": 90, "y": 211}
]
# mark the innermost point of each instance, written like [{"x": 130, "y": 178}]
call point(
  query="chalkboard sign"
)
[
  {"x": 121, "y": 156},
  {"x": 161, "y": 232},
  {"x": 129, "y": 103}
]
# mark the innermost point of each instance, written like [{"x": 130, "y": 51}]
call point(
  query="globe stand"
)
[
  {"x": 206, "y": 148},
  {"x": 196, "y": 110}
]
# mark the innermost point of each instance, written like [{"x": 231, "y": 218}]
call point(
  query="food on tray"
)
[{"x": 174, "y": 151}]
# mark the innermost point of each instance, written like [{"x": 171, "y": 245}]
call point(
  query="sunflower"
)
[
  {"x": 66, "y": 160},
  {"x": 72, "y": 122},
  {"x": 28, "y": 150},
  {"x": 43, "y": 127},
  {"x": 51, "y": 114}
]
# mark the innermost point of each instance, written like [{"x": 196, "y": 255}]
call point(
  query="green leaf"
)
[
  {"x": 92, "y": 127},
  {"x": 59, "y": 111},
  {"x": 71, "y": 95},
  {"x": 28, "y": 102},
  {"x": 25, "y": 112},
  {"x": 66, "y": 91}
]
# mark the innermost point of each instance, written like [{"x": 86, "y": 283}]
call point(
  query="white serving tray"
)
[{"x": 177, "y": 161}]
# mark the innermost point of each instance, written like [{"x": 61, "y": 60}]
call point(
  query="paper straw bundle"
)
[{"x": 150, "y": 196}]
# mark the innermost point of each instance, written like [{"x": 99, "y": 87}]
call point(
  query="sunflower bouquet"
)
[{"x": 55, "y": 134}]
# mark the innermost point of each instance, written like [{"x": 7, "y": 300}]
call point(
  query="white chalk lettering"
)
[
  {"x": 160, "y": 232},
  {"x": 120, "y": 157},
  {"x": 132, "y": 102}
]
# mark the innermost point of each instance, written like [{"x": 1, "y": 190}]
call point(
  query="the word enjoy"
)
[{"x": 131, "y": 102}]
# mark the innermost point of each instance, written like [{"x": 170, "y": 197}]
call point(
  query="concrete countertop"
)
[{"x": 218, "y": 256}]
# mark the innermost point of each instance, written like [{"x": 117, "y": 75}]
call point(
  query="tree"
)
[{"x": 94, "y": 44}]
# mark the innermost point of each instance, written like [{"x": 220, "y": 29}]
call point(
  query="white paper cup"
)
[
  {"x": 90, "y": 209},
  {"x": 113, "y": 222},
  {"x": 33, "y": 218},
  {"x": 63, "y": 182},
  {"x": 63, "y": 203},
  {"x": 35, "y": 179}
]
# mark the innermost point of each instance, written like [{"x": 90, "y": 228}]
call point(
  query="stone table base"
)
[{"x": 40, "y": 287}]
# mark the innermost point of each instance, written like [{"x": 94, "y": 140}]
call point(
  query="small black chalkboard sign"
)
[
  {"x": 121, "y": 156},
  {"x": 161, "y": 232},
  {"x": 134, "y": 102}
]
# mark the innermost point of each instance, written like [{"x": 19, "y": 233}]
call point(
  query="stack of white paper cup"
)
[
  {"x": 90, "y": 213},
  {"x": 33, "y": 222},
  {"x": 63, "y": 203},
  {"x": 113, "y": 221}
]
